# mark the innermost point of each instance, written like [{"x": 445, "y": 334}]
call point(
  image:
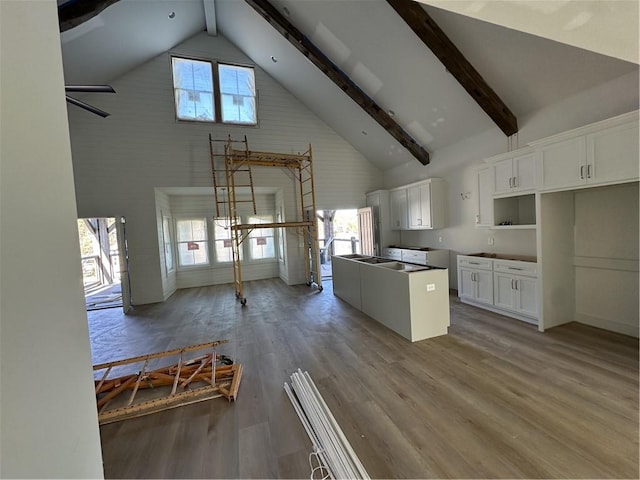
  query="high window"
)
[
  {"x": 192, "y": 242},
  {"x": 206, "y": 91}
]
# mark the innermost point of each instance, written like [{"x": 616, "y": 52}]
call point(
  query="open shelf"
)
[{"x": 515, "y": 212}]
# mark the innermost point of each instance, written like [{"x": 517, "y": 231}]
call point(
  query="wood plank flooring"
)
[{"x": 492, "y": 399}]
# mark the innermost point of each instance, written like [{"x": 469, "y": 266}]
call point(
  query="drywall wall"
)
[
  {"x": 49, "y": 424},
  {"x": 606, "y": 257},
  {"x": 119, "y": 161},
  {"x": 457, "y": 164}
]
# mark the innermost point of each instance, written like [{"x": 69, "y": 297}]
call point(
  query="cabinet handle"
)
[
  {"x": 474, "y": 263},
  {"x": 512, "y": 287},
  {"x": 516, "y": 282},
  {"x": 477, "y": 218},
  {"x": 515, "y": 268},
  {"x": 515, "y": 182},
  {"x": 510, "y": 182},
  {"x": 589, "y": 171},
  {"x": 582, "y": 172}
]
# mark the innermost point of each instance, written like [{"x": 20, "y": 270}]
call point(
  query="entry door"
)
[
  {"x": 123, "y": 251},
  {"x": 365, "y": 230}
]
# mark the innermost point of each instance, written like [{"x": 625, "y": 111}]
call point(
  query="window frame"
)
[
  {"x": 217, "y": 100},
  {"x": 206, "y": 241},
  {"x": 168, "y": 244}
]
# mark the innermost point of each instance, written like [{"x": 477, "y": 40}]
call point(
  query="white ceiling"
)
[{"x": 372, "y": 45}]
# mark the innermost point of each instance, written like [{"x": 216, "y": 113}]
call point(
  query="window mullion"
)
[{"x": 217, "y": 102}]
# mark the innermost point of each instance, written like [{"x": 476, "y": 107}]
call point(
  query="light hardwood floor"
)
[{"x": 492, "y": 399}]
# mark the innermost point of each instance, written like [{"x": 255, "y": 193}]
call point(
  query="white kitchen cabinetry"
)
[
  {"x": 433, "y": 257},
  {"x": 484, "y": 205},
  {"x": 475, "y": 279},
  {"x": 509, "y": 287},
  {"x": 419, "y": 199},
  {"x": 426, "y": 204},
  {"x": 516, "y": 287},
  {"x": 393, "y": 253},
  {"x": 598, "y": 154},
  {"x": 514, "y": 172},
  {"x": 398, "y": 205}
]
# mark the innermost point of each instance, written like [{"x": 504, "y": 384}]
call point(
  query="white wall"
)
[
  {"x": 163, "y": 210},
  {"x": 119, "y": 161},
  {"x": 203, "y": 206},
  {"x": 457, "y": 163},
  {"x": 606, "y": 257},
  {"x": 49, "y": 421}
]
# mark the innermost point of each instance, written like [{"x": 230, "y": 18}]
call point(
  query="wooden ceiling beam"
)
[
  {"x": 443, "y": 48},
  {"x": 74, "y": 12},
  {"x": 331, "y": 70}
]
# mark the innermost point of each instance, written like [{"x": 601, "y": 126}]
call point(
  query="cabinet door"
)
[
  {"x": 484, "y": 215},
  {"x": 398, "y": 202},
  {"x": 504, "y": 291},
  {"x": 524, "y": 172},
  {"x": 415, "y": 207},
  {"x": 419, "y": 198},
  {"x": 527, "y": 295},
  {"x": 502, "y": 175},
  {"x": 562, "y": 164},
  {"x": 612, "y": 154},
  {"x": 484, "y": 287},
  {"x": 466, "y": 284}
]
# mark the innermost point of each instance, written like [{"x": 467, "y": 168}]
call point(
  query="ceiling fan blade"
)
[
  {"x": 86, "y": 106},
  {"x": 89, "y": 88}
]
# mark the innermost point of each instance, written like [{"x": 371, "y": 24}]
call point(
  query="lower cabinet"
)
[
  {"x": 475, "y": 285},
  {"x": 516, "y": 293},
  {"x": 509, "y": 287}
]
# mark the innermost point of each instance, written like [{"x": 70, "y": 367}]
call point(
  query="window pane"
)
[
  {"x": 261, "y": 240},
  {"x": 222, "y": 234},
  {"x": 237, "y": 93},
  {"x": 193, "y": 84},
  {"x": 192, "y": 242},
  {"x": 168, "y": 251}
]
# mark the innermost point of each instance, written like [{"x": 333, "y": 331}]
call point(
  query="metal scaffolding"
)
[{"x": 236, "y": 173}]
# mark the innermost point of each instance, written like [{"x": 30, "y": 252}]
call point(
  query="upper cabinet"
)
[
  {"x": 603, "y": 153},
  {"x": 419, "y": 206},
  {"x": 484, "y": 205},
  {"x": 514, "y": 172},
  {"x": 398, "y": 206},
  {"x": 427, "y": 204}
]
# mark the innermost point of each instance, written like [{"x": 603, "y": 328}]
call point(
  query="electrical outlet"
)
[
  {"x": 439, "y": 239},
  {"x": 490, "y": 241}
]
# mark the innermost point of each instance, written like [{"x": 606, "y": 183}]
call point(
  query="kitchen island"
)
[{"x": 412, "y": 300}]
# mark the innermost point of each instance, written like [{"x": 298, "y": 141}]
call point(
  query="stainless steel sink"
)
[{"x": 374, "y": 260}]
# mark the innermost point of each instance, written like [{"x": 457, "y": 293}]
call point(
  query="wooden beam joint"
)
[
  {"x": 454, "y": 61},
  {"x": 331, "y": 70}
]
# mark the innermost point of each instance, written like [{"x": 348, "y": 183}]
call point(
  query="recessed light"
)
[
  {"x": 392, "y": 113},
  {"x": 286, "y": 12},
  {"x": 364, "y": 132},
  {"x": 274, "y": 59},
  {"x": 172, "y": 14}
]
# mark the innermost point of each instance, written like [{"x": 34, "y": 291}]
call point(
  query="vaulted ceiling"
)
[{"x": 374, "y": 47}]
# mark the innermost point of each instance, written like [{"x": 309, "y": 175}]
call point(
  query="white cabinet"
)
[
  {"x": 427, "y": 204},
  {"x": 475, "y": 279},
  {"x": 509, "y": 287},
  {"x": 419, "y": 199},
  {"x": 398, "y": 206},
  {"x": 516, "y": 293},
  {"x": 484, "y": 205},
  {"x": 393, "y": 253},
  {"x": 419, "y": 206},
  {"x": 433, "y": 257},
  {"x": 612, "y": 154},
  {"x": 599, "y": 154},
  {"x": 515, "y": 173}
]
